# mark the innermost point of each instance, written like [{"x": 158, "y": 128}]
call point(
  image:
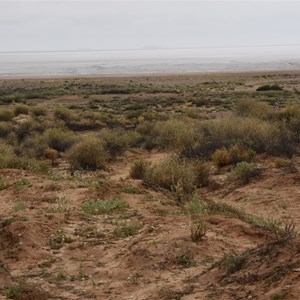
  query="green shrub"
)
[
  {"x": 179, "y": 176},
  {"x": 244, "y": 172},
  {"x": 118, "y": 140},
  {"x": 13, "y": 291},
  {"x": 59, "y": 139},
  {"x": 8, "y": 159},
  {"x": 238, "y": 153},
  {"x": 21, "y": 109},
  {"x": 149, "y": 132},
  {"x": 253, "y": 108},
  {"x": 65, "y": 114},
  {"x": 98, "y": 207},
  {"x": 5, "y": 129},
  {"x": 32, "y": 146},
  {"x": 234, "y": 262},
  {"x": 290, "y": 117},
  {"x": 26, "y": 128},
  {"x": 39, "y": 110},
  {"x": 267, "y": 87},
  {"x": 88, "y": 154},
  {"x": 127, "y": 229},
  {"x": 178, "y": 135},
  {"x": 201, "y": 102},
  {"x": 6, "y": 115},
  {"x": 139, "y": 168},
  {"x": 259, "y": 135}
]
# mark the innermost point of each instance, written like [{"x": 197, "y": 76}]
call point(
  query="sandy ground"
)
[
  {"x": 54, "y": 250},
  {"x": 65, "y": 254}
]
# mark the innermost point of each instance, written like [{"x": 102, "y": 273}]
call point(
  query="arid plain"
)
[{"x": 150, "y": 187}]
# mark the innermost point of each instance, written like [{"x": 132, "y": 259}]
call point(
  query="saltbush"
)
[
  {"x": 6, "y": 115},
  {"x": 88, "y": 154},
  {"x": 21, "y": 109}
]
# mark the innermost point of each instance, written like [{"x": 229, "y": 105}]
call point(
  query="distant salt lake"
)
[{"x": 122, "y": 62}]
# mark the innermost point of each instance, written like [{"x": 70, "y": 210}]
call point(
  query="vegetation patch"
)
[
  {"x": 99, "y": 207},
  {"x": 88, "y": 154}
]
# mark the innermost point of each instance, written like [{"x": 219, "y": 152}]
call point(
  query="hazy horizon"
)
[{"x": 112, "y": 37}]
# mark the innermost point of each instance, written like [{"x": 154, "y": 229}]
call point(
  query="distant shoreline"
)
[
  {"x": 149, "y": 61},
  {"x": 163, "y": 75}
]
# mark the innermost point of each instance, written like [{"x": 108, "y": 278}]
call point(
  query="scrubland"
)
[{"x": 150, "y": 187}]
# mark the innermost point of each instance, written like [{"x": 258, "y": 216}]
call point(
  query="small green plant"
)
[
  {"x": 244, "y": 172},
  {"x": 267, "y": 87},
  {"x": 130, "y": 190},
  {"x": 198, "y": 230},
  {"x": 61, "y": 275},
  {"x": 21, "y": 183},
  {"x": 81, "y": 274},
  {"x": 234, "y": 262},
  {"x": 127, "y": 229},
  {"x": 185, "y": 260},
  {"x": 62, "y": 205},
  {"x": 98, "y": 207},
  {"x": 57, "y": 241},
  {"x": 279, "y": 296},
  {"x": 20, "y": 205},
  {"x": 3, "y": 185},
  {"x": 13, "y": 292}
]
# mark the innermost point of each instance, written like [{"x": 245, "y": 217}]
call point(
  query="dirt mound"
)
[{"x": 268, "y": 271}]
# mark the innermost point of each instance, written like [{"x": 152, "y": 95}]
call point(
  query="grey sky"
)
[{"x": 70, "y": 25}]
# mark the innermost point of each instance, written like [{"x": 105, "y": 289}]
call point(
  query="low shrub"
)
[
  {"x": 259, "y": 135},
  {"x": 221, "y": 158},
  {"x": 179, "y": 176},
  {"x": 238, "y": 153},
  {"x": 244, "y": 172},
  {"x": 32, "y": 146},
  {"x": 8, "y": 159},
  {"x": 198, "y": 230},
  {"x": 26, "y": 128},
  {"x": 88, "y": 154},
  {"x": 65, "y": 114},
  {"x": 6, "y": 115},
  {"x": 118, "y": 140},
  {"x": 127, "y": 229},
  {"x": 59, "y": 139},
  {"x": 148, "y": 131},
  {"x": 39, "y": 110},
  {"x": 253, "y": 108},
  {"x": 179, "y": 135},
  {"x": 290, "y": 118},
  {"x": 267, "y": 87},
  {"x": 98, "y": 207},
  {"x": 5, "y": 129},
  {"x": 21, "y": 109},
  {"x": 139, "y": 168}
]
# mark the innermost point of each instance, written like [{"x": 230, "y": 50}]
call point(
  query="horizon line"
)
[{"x": 154, "y": 48}]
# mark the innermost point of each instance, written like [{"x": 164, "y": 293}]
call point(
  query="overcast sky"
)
[{"x": 70, "y": 25}]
